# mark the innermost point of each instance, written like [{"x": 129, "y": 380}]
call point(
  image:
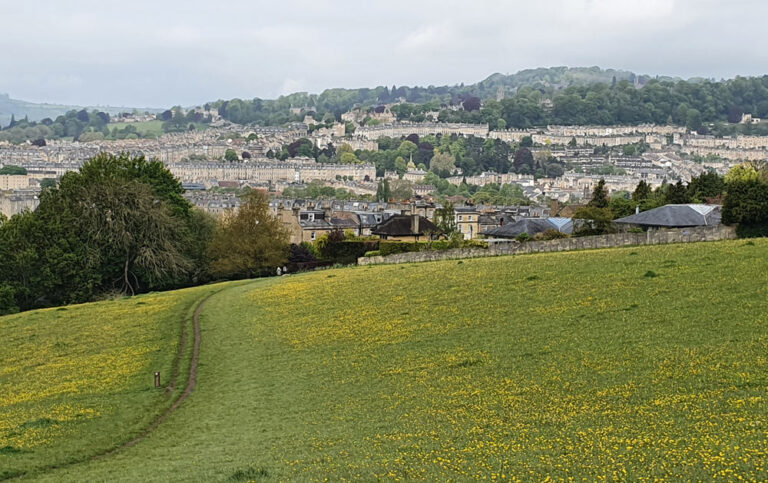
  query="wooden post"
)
[{"x": 157, "y": 379}]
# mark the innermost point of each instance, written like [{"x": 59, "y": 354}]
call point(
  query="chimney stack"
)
[
  {"x": 637, "y": 209},
  {"x": 415, "y": 224}
]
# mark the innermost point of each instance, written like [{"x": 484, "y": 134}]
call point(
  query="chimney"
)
[
  {"x": 415, "y": 224},
  {"x": 637, "y": 209}
]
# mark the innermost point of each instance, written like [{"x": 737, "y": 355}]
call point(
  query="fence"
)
[{"x": 650, "y": 237}]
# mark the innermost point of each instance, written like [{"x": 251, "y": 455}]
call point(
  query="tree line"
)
[
  {"x": 121, "y": 225},
  {"x": 686, "y": 103}
]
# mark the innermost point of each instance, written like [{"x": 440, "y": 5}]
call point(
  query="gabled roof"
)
[
  {"x": 532, "y": 226},
  {"x": 676, "y": 216},
  {"x": 400, "y": 225}
]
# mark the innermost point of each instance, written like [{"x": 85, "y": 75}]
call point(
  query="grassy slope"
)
[
  {"x": 154, "y": 128},
  {"x": 78, "y": 380},
  {"x": 579, "y": 363}
]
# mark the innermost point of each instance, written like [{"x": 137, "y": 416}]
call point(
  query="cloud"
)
[{"x": 174, "y": 52}]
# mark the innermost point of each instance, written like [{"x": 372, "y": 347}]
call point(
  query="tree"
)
[
  {"x": 348, "y": 158},
  {"x": 249, "y": 241},
  {"x": 47, "y": 183},
  {"x": 746, "y": 203},
  {"x": 642, "y": 191},
  {"x": 383, "y": 191},
  {"x": 401, "y": 165},
  {"x": 677, "y": 194},
  {"x": 471, "y": 104},
  {"x": 13, "y": 170},
  {"x": 445, "y": 219},
  {"x": 443, "y": 164},
  {"x": 134, "y": 226},
  {"x": 402, "y": 189},
  {"x": 523, "y": 162},
  {"x": 130, "y": 215},
  {"x": 706, "y": 185},
  {"x": 593, "y": 221},
  {"x": 526, "y": 142},
  {"x": 407, "y": 149},
  {"x": 230, "y": 155},
  {"x": 599, "y": 196}
]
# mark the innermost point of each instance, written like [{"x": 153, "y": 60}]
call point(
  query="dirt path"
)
[
  {"x": 191, "y": 380},
  {"x": 191, "y": 383}
]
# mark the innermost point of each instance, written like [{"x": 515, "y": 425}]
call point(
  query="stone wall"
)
[{"x": 651, "y": 237}]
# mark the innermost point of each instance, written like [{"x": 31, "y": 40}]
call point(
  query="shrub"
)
[
  {"x": 393, "y": 247},
  {"x": 373, "y": 253},
  {"x": 550, "y": 234},
  {"x": 523, "y": 237}
]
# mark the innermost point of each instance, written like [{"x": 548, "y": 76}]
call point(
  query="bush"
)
[
  {"x": 394, "y": 247},
  {"x": 373, "y": 253},
  {"x": 744, "y": 230},
  {"x": 523, "y": 237},
  {"x": 348, "y": 251},
  {"x": 550, "y": 234}
]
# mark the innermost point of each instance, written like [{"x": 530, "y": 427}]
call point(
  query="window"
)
[
  {"x": 461, "y": 218},
  {"x": 312, "y": 235}
]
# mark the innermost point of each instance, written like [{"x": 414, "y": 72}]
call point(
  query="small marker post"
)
[{"x": 157, "y": 379}]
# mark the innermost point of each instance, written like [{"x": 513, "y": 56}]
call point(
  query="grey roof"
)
[
  {"x": 531, "y": 226},
  {"x": 676, "y": 216}
]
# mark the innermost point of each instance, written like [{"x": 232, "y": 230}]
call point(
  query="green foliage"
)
[
  {"x": 445, "y": 219},
  {"x": 383, "y": 191},
  {"x": 621, "y": 207},
  {"x": 119, "y": 223},
  {"x": 593, "y": 220},
  {"x": 642, "y": 192},
  {"x": 231, "y": 155},
  {"x": 346, "y": 251},
  {"x": 550, "y": 234},
  {"x": 599, "y": 196},
  {"x": 706, "y": 186},
  {"x": 13, "y": 170},
  {"x": 248, "y": 242}
]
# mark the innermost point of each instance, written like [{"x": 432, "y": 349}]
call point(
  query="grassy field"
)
[
  {"x": 154, "y": 128},
  {"x": 77, "y": 381},
  {"x": 632, "y": 363}
]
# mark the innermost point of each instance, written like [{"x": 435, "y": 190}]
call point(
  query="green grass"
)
[
  {"x": 566, "y": 364},
  {"x": 77, "y": 381},
  {"x": 153, "y": 128}
]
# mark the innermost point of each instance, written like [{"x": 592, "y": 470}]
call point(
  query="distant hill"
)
[
  {"x": 36, "y": 112},
  {"x": 557, "y": 78}
]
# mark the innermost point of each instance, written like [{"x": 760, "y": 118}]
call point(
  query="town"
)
[{"x": 587, "y": 154}]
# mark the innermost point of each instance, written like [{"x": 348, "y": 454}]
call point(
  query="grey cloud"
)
[{"x": 174, "y": 52}]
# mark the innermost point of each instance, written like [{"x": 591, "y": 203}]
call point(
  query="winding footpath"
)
[{"x": 191, "y": 384}]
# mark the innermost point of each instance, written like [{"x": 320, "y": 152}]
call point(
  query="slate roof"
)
[
  {"x": 532, "y": 226},
  {"x": 676, "y": 216},
  {"x": 400, "y": 225}
]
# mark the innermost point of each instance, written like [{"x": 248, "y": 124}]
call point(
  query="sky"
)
[{"x": 169, "y": 52}]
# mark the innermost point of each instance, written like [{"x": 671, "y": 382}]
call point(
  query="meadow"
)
[
  {"x": 78, "y": 381},
  {"x": 637, "y": 363}
]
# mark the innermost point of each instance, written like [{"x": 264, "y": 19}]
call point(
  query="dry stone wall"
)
[{"x": 651, "y": 237}]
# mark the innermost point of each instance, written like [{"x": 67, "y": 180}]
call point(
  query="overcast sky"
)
[{"x": 164, "y": 52}]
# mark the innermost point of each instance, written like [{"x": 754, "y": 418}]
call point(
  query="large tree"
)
[{"x": 249, "y": 241}]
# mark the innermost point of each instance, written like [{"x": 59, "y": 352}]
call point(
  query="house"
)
[
  {"x": 674, "y": 216},
  {"x": 467, "y": 221},
  {"x": 531, "y": 226},
  {"x": 407, "y": 228}
]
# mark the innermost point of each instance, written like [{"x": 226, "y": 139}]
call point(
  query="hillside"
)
[
  {"x": 76, "y": 379},
  {"x": 37, "y": 112},
  {"x": 621, "y": 364}
]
